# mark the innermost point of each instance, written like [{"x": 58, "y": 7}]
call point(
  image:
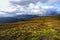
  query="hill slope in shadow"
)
[{"x": 17, "y": 18}]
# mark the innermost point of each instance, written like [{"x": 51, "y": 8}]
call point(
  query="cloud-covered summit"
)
[{"x": 30, "y": 7}]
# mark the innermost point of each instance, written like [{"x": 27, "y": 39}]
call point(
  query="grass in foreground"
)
[{"x": 45, "y": 28}]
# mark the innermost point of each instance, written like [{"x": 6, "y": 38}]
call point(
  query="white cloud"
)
[
  {"x": 37, "y": 8},
  {"x": 18, "y": 13},
  {"x": 34, "y": 9},
  {"x": 48, "y": 7},
  {"x": 2, "y": 14},
  {"x": 31, "y": 5},
  {"x": 20, "y": 8},
  {"x": 53, "y": 1},
  {"x": 16, "y": 0},
  {"x": 6, "y": 6}
]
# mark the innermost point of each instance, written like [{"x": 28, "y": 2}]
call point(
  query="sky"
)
[{"x": 9, "y": 8}]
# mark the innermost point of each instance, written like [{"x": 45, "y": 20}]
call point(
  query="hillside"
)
[
  {"x": 42, "y": 28},
  {"x": 17, "y": 18}
]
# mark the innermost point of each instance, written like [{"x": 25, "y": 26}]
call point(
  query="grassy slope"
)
[{"x": 46, "y": 28}]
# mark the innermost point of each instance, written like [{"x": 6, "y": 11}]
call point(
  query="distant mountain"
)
[
  {"x": 7, "y": 20},
  {"x": 16, "y": 18},
  {"x": 20, "y": 18},
  {"x": 25, "y": 17}
]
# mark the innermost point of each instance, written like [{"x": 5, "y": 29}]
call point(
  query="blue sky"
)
[{"x": 9, "y": 8}]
